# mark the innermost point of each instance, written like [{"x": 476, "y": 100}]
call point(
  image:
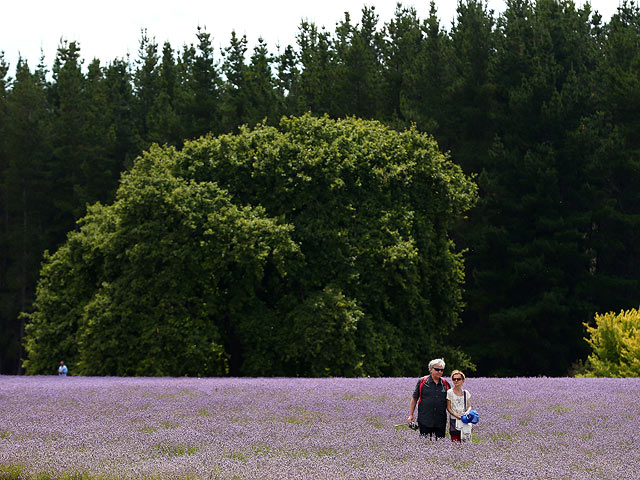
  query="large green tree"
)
[
  {"x": 151, "y": 284},
  {"x": 317, "y": 248}
]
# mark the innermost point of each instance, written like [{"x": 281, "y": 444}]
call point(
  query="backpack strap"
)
[
  {"x": 424, "y": 379},
  {"x": 465, "y": 400}
]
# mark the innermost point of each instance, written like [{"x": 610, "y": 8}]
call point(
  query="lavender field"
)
[{"x": 280, "y": 428}]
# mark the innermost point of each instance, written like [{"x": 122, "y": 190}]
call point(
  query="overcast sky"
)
[{"x": 111, "y": 29}]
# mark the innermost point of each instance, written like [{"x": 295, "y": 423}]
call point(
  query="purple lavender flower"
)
[{"x": 279, "y": 428}]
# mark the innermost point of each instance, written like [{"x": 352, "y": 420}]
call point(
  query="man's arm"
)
[{"x": 412, "y": 407}]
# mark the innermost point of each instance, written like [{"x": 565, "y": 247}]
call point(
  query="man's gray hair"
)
[{"x": 435, "y": 362}]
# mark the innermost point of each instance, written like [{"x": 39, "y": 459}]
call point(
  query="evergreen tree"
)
[
  {"x": 403, "y": 44},
  {"x": 27, "y": 192},
  {"x": 6, "y": 323},
  {"x": 100, "y": 166},
  {"x": 610, "y": 143},
  {"x": 358, "y": 67},
  {"x": 425, "y": 102},
  {"x": 234, "y": 101},
  {"x": 469, "y": 126},
  {"x": 287, "y": 82},
  {"x": 146, "y": 81},
  {"x": 263, "y": 101},
  {"x": 68, "y": 97},
  {"x": 314, "y": 88},
  {"x": 118, "y": 86},
  {"x": 203, "y": 84},
  {"x": 529, "y": 246},
  {"x": 163, "y": 122}
]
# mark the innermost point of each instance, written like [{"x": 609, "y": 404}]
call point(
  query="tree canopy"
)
[
  {"x": 315, "y": 248},
  {"x": 539, "y": 102}
]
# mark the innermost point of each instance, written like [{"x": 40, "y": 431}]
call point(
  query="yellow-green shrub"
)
[{"x": 615, "y": 344}]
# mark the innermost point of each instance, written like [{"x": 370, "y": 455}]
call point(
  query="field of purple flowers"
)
[{"x": 280, "y": 428}]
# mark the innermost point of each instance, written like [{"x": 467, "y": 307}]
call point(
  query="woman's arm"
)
[{"x": 450, "y": 410}]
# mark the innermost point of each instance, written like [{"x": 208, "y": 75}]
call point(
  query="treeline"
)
[{"x": 540, "y": 102}]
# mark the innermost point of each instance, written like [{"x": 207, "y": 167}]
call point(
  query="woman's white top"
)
[
  {"x": 457, "y": 405},
  {"x": 457, "y": 402}
]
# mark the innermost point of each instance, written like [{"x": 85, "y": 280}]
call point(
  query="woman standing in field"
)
[{"x": 458, "y": 404}]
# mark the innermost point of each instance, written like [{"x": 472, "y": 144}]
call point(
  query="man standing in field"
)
[
  {"x": 430, "y": 395},
  {"x": 62, "y": 370}
]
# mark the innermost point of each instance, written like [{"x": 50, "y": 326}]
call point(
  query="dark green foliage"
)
[
  {"x": 540, "y": 102},
  {"x": 315, "y": 249},
  {"x": 234, "y": 100},
  {"x": 163, "y": 122},
  {"x": 313, "y": 90},
  {"x": 264, "y": 101},
  {"x": 69, "y": 137},
  {"x": 469, "y": 127},
  {"x": 430, "y": 72},
  {"x": 28, "y": 189},
  {"x": 148, "y": 285},
  {"x": 400, "y": 51},
  {"x": 286, "y": 83},
  {"x": 118, "y": 90},
  {"x": 146, "y": 82},
  {"x": 358, "y": 67},
  {"x": 610, "y": 144},
  {"x": 529, "y": 245},
  {"x": 201, "y": 88}
]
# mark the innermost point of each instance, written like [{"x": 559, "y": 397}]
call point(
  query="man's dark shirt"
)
[{"x": 432, "y": 410}]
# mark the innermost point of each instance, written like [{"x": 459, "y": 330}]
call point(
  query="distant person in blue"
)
[{"x": 62, "y": 370}]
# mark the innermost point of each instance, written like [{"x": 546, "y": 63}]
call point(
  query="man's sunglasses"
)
[{"x": 438, "y": 369}]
